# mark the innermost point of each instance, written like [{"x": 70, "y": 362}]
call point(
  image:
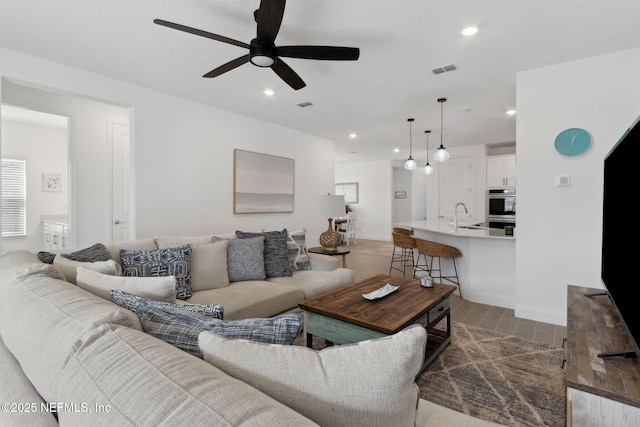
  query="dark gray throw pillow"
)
[
  {"x": 97, "y": 252},
  {"x": 162, "y": 262},
  {"x": 181, "y": 329},
  {"x": 245, "y": 258},
  {"x": 128, "y": 301},
  {"x": 276, "y": 257}
]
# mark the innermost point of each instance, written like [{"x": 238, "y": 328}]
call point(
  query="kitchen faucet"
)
[{"x": 455, "y": 213}]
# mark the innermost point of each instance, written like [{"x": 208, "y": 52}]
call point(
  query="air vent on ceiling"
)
[
  {"x": 444, "y": 69},
  {"x": 305, "y": 104}
]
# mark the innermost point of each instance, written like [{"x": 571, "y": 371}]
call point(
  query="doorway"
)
[
  {"x": 90, "y": 163},
  {"x": 37, "y": 198}
]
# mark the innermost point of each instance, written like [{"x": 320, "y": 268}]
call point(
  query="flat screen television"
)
[{"x": 620, "y": 256}]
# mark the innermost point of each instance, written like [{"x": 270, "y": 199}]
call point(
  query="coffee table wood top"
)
[{"x": 387, "y": 315}]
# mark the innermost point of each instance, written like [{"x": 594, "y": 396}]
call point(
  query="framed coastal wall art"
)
[
  {"x": 349, "y": 190},
  {"x": 262, "y": 183}
]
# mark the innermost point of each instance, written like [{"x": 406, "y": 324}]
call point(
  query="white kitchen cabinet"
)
[
  {"x": 55, "y": 232},
  {"x": 501, "y": 171}
]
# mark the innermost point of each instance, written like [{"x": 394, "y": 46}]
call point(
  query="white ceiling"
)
[{"x": 400, "y": 43}]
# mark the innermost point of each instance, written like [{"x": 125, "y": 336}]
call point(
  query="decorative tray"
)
[{"x": 380, "y": 293}]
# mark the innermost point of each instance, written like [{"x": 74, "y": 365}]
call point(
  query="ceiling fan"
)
[{"x": 263, "y": 51}]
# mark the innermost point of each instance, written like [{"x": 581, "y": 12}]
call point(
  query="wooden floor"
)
[{"x": 369, "y": 257}]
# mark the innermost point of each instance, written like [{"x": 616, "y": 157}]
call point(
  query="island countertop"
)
[
  {"x": 464, "y": 229},
  {"x": 487, "y": 267}
]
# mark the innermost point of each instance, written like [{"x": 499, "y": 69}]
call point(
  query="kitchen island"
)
[{"x": 487, "y": 267}]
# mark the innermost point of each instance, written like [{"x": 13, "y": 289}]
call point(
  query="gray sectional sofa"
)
[{"x": 71, "y": 357}]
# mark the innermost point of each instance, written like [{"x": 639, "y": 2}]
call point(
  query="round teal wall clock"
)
[{"x": 573, "y": 142}]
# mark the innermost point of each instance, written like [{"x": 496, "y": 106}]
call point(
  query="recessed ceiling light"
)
[
  {"x": 269, "y": 92},
  {"x": 469, "y": 31},
  {"x": 396, "y": 150},
  {"x": 511, "y": 112},
  {"x": 353, "y": 135}
]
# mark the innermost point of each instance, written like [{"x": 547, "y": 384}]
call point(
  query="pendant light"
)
[
  {"x": 427, "y": 170},
  {"x": 441, "y": 153},
  {"x": 410, "y": 164}
]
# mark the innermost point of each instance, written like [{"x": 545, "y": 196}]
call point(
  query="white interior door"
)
[
  {"x": 455, "y": 187},
  {"x": 121, "y": 167}
]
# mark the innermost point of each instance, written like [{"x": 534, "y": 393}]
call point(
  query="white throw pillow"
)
[
  {"x": 370, "y": 383},
  {"x": 156, "y": 288},
  {"x": 69, "y": 267},
  {"x": 209, "y": 266}
]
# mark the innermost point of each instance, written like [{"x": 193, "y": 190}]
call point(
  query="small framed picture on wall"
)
[{"x": 51, "y": 182}]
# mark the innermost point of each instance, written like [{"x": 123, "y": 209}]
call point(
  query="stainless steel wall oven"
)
[{"x": 502, "y": 208}]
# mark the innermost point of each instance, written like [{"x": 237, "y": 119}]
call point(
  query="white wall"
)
[
  {"x": 44, "y": 148},
  {"x": 375, "y": 186},
  {"x": 183, "y": 158},
  {"x": 559, "y": 229}
]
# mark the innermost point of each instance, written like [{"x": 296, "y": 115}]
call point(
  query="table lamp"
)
[{"x": 332, "y": 206}]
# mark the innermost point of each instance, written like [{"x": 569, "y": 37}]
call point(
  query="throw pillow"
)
[
  {"x": 155, "y": 288},
  {"x": 208, "y": 260},
  {"x": 128, "y": 301},
  {"x": 297, "y": 250},
  {"x": 97, "y": 252},
  {"x": 182, "y": 329},
  {"x": 245, "y": 259},
  {"x": 276, "y": 259},
  {"x": 46, "y": 257},
  {"x": 162, "y": 262},
  {"x": 369, "y": 383},
  {"x": 69, "y": 267}
]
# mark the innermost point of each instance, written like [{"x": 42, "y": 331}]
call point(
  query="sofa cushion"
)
[
  {"x": 370, "y": 383},
  {"x": 156, "y": 288},
  {"x": 245, "y": 259},
  {"x": 146, "y": 382},
  {"x": 255, "y": 298},
  {"x": 314, "y": 283},
  {"x": 161, "y": 262},
  {"x": 97, "y": 252},
  {"x": 41, "y": 318},
  {"x": 276, "y": 259},
  {"x": 165, "y": 242},
  {"x": 16, "y": 389},
  {"x": 70, "y": 267},
  {"x": 297, "y": 250},
  {"x": 208, "y": 259},
  {"x": 128, "y": 301},
  {"x": 181, "y": 329}
]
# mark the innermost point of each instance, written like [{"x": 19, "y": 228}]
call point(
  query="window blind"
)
[{"x": 14, "y": 197}]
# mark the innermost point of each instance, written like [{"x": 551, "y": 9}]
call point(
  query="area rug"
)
[
  {"x": 498, "y": 377},
  {"x": 495, "y": 377}
]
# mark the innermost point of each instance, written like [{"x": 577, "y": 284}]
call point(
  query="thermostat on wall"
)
[{"x": 563, "y": 180}]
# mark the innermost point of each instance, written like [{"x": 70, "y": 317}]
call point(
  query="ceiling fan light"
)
[
  {"x": 441, "y": 154},
  {"x": 262, "y": 60},
  {"x": 410, "y": 164}
]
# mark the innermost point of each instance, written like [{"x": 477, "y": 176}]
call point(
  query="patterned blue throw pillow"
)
[
  {"x": 181, "y": 329},
  {"x": 128, "y": 301},
  {"x": 162, "y": 262}
]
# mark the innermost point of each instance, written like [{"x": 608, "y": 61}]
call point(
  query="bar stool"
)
[
  {"x": 433, "y": 250},
  {"x": 405, "y": 231},
  {"x": 406, "y": 244}
]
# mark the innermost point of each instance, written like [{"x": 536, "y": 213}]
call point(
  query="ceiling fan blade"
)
[
  {"x": 332, "y": 53},
  {"x": 269, "y": 18},
  {"x": 228, "y": 66},
  {"x": 289, "y": 76},
  {"x": 200, "y": 33}
]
